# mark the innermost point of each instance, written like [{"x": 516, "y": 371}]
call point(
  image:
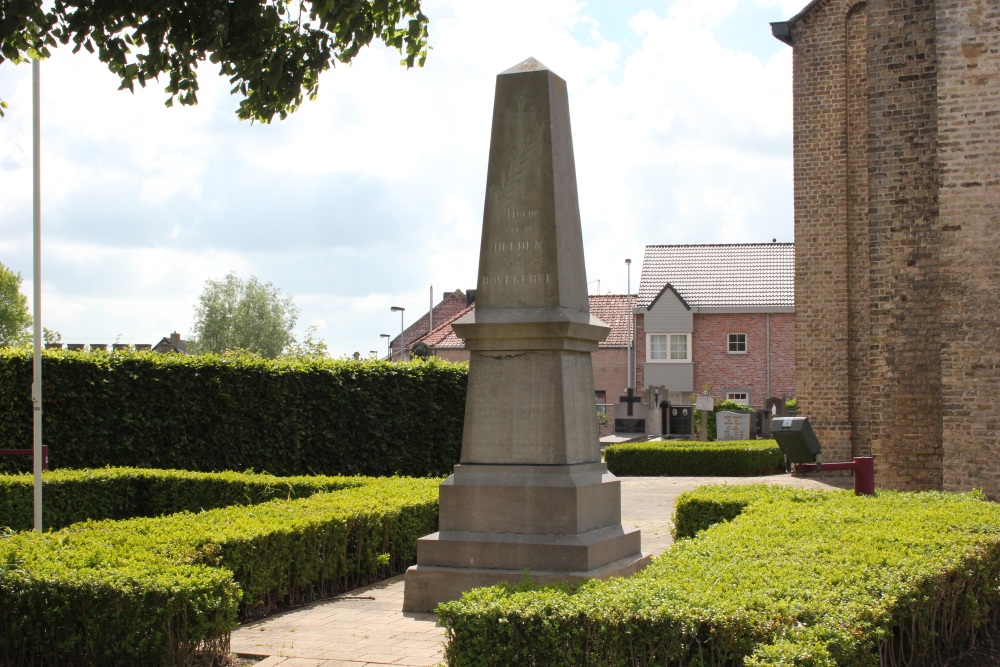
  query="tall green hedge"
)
[{"x": 211, "y": 413}]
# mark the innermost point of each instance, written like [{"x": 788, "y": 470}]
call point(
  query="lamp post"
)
[
  {"x": 400, "y": 310},
  {"x": 388, "y": 346},
  {"x": 628, "y": 307}
]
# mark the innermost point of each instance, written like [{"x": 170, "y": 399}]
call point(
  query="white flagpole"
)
[{"x": 36, "y": 384}]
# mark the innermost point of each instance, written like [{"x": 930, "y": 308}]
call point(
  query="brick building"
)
[
  {"x": 897, "y": 223},
  {"x": 721, "y": 315}
]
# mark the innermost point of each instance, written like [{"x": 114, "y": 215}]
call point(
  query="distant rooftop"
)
[{"x": 725, "y": 276}]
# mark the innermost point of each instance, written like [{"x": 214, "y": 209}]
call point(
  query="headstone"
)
[
  {"x": 654, "y": 422},
  {"x": 681, "y": 420},
  {"x": 732, "y": 425},
  {"x": 629, "y": 422},
  {"x": 530, "y": 496},
  {"x": 776, "y": 406},
  {"x": 762, "y": 423}
]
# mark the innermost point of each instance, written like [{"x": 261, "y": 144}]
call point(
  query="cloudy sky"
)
[{"x": 373, "y": 193}]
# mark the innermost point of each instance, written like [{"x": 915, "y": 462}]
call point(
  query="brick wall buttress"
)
[
  {"x": 905, "y": 402},
  {"x": 968, "y": 96}
]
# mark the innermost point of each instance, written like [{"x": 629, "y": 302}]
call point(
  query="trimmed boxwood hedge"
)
[
  {"x": 807, "y": 578},
  {"x": 69, "y": 496},
  {"x": 694, "y": 459},
  {"x": 169, "y": 590},
  {"x": 212, "y": 413}
]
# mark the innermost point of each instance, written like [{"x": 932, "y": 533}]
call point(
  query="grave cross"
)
[{"x": 630, "y": 399}]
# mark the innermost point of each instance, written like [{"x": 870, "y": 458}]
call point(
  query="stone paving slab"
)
[{"x": 366, "y": 627}]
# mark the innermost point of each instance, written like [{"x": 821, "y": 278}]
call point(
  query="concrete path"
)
[{"x": 366, "y": 627}]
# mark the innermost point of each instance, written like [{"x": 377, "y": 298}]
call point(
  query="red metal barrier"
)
[
  {"x": 28, "y": 452},
  {"x": 863, "y": 468}
]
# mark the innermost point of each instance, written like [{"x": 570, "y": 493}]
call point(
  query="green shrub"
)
[
  {"x": 694, "y": 459},
  {"x": 69, "y": 496},
  {"x": 798, "y": 578},
  {"x": 211, "y": 413},
  {"x": 165, "y": 590}
]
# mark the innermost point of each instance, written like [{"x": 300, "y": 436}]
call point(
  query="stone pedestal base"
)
[
  {"x": 428, "y": 585},
  {"x": 545, "y": 523}
]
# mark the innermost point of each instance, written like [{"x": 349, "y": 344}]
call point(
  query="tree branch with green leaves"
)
[{"x": 272, "y": 51}]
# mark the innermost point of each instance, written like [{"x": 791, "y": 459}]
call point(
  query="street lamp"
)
[
  {"x": 388, "y": 345},
  {"x": 399, "y": 309},
  {"x": 628, "y": 307}
]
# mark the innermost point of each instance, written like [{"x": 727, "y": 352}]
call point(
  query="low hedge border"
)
[
  {"x": 69, "y": 496},
  {"x": 169, "y": 590},
  {"x": 685, "y": 458},
  {"x": 806, "y": 578}
]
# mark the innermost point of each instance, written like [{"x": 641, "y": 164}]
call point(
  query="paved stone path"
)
[{"x": 366, "y": 627}]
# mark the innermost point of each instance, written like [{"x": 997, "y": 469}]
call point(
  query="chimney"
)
[{"x": 470, "y": 297}]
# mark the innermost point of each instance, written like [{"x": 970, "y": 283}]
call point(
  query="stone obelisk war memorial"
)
[{"x": 530, "y": 497}]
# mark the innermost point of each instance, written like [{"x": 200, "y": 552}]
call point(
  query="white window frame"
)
[
  {"x": 730, "y": 396},
  {"x": 730, "y": 342},
  {"x": 669, "y": 341}
]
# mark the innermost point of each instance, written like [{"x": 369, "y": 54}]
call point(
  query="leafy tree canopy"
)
[
  {"x": 15, "y": 318},
  {"x": 233, "y": 314},
  {"x": 273, "y": 51},
  {"x": 312, "y": 347}
]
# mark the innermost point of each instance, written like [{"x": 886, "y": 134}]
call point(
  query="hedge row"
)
[
  {"x": 694, "y": 459},
  {"x": 798, "y": 578},
  {"x": 211, "y": 413},
  {"x": 169, "y": 590},
  {"x": 69, "y": 496}
]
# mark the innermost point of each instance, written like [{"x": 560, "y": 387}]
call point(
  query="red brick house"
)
[{"x": 719, "y": 315}]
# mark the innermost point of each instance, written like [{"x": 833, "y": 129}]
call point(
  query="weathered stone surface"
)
[{"x": 531, "y": 496}]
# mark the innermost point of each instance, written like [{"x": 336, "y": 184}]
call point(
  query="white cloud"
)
[{"x": 373, "y": 192}]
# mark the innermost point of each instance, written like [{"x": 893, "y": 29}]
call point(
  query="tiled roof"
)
[
  {"x": 443, "y": 312},
  {"x": 609, "y": 308},
  {"x": 737, "y": 275},
  {"x": 613, "y": 310},
  {"x": 443, "y": 336}
]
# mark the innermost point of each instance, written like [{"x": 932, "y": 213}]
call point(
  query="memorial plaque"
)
[
  {"x": 681, "y": 420},
  {"x": 732, "y": 425},
  {"x": 531, "y": 496},
  {"x": 630, "y": 427}
]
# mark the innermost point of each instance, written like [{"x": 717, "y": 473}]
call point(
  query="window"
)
[
  {"x": 741, "y": 397},
  {"x": 737, "y": 343},
  {"x": 668, "y": 347},
  {"x": 601, "y": 398}
]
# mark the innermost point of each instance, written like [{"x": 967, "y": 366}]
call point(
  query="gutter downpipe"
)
[{"x": 767, "y": 317}]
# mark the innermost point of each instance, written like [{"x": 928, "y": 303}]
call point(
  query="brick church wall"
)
[
  {"x": 968, "y": 95},
  {"x": 897, "y": 212}
]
